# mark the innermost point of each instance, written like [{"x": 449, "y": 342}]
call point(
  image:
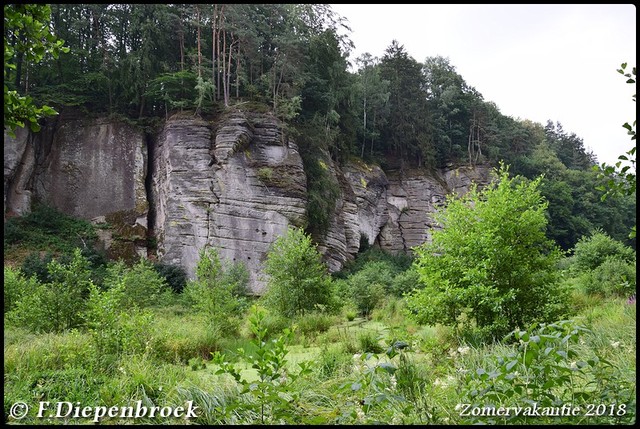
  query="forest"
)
[{"x": 525, "y": 297}]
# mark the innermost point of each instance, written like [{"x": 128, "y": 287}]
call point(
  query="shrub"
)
[
  {"x": 57, "y": 305},
  {"x": 405, "y": 282},
  {"x": 116, "y": 329},
  {"x": 313, "y": 323},
  {"x": 272, "y": 398},
  {"x": 36, "y": 266},
  {"x": 548, "y": 369},
  {"x": 367, "y": 286},
  {"x": 591, "y": 252},
  {"x": 174, "y": 275},
  {"x": 395, "y": 263},
  {"x": 613, "y": 277},
  {"x": 16, "y": 285},
  {"x": 47, "y": 228},
  {"x": 211, "y": 293},
  {"x": 491, "y": 267},
  {"x": 141, "y": 283},
  {"x": 333, "y": 362},
  {"x": 298, "y": 281},
  {"x": 369, "y": 342}
]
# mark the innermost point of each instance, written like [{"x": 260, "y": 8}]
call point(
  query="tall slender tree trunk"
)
[
  {"x": 238, "y": 72},
  {"x": 213, "y": 48},
  {"x": 199, "y": 51}
]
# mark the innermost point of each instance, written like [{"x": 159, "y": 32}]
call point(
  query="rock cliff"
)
[{"x": 235, "y": 184}]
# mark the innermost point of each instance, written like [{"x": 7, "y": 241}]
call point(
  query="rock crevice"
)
[{"x": 235, "y": 184}]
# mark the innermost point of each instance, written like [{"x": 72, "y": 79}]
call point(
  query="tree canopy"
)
[{"x": 28, "y": 41}]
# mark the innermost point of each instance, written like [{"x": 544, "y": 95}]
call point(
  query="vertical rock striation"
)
[{"x": 236, "y": 187}]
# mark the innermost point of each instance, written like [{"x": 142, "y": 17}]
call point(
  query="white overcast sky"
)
[{"x": 536, "y": 62}]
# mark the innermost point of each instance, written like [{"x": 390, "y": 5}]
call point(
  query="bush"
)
[
  {"x": 57, "y": 305},
  {"x": 116, "y": 329},
  {"x": 142, "y": 286},
  {"x": 547, "y": 368},
  {"x": 36, "y": 266},
  {"x": 369, "y": 342},
  {"x": 591, "y": 252},
  {"x": 174, "y": 275},
  {"x": 395, "y": 263},
  {"x": 212, "y": 291},
  {"x": 16, "y": 285},
  {"x": 491, "y": 267},
  {"x": 367, "y": 287},
  {"x": 298, "y": 281},
  {"x": 612, "y": 278},
  {"x": 313, "y": 323},
  {"x": 333, "y": 362},
  {"x": 405, "y": 282},
  {"x": 47, "y": 228}
]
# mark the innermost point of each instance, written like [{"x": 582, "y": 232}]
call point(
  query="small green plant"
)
[
  {"x": 273, "y": 398},
  {"x": 373, "y": 397},
  {"x": 333, "y": 362},
  {"x": 265, "y": 174},
  {"x": 546, "y": 372},
  {"x": 369, "y": 342}
]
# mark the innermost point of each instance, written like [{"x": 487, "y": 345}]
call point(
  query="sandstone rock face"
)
[
  {"x": 235, "y": 185},
  {"x": 392, "y": 210},
  {"x": 93, "y": 170},
  {"x": 236, "y": 188},
  {"x": 19, "y": 163}
]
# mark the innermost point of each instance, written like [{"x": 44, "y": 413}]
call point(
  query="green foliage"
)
[
  {"x": 490, "y": 266},
  {"x": 58, "y": 304},
  {"x": 333, "y": 362},
  {"x": 15, "y": 285},
  {"x": 35, "y": 266},
  {"x": 322, "y": 191},
  {"x": 174, "y": 275},
  {"x": 405, "y": 283},
  {"x": 212, "y": 292},
  {"x": 45, "y": 228},
  {"x": 298, "y": 281},
  {"x": 547, "y": 370},
  {"x": 310, "y": 324},
  {"x": 621, "y": 177},
  {"x": 368, "y": 286},
  {"x": 591, "y": 252},
  {"x": 116, "y": 329},
  {"x": 176, "y": 90},
  {"x": 28, "y": 39},
  {"x": 612, "y": 278},
  {"x": 141, "y": 284},
  {"x": 178, "y": 336},
  {"x": 373, "y": 398},
  {"x": 369, "y": 342},
  {"x": 274, "y": 399},
  {"x": 395, "y": 263}
]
